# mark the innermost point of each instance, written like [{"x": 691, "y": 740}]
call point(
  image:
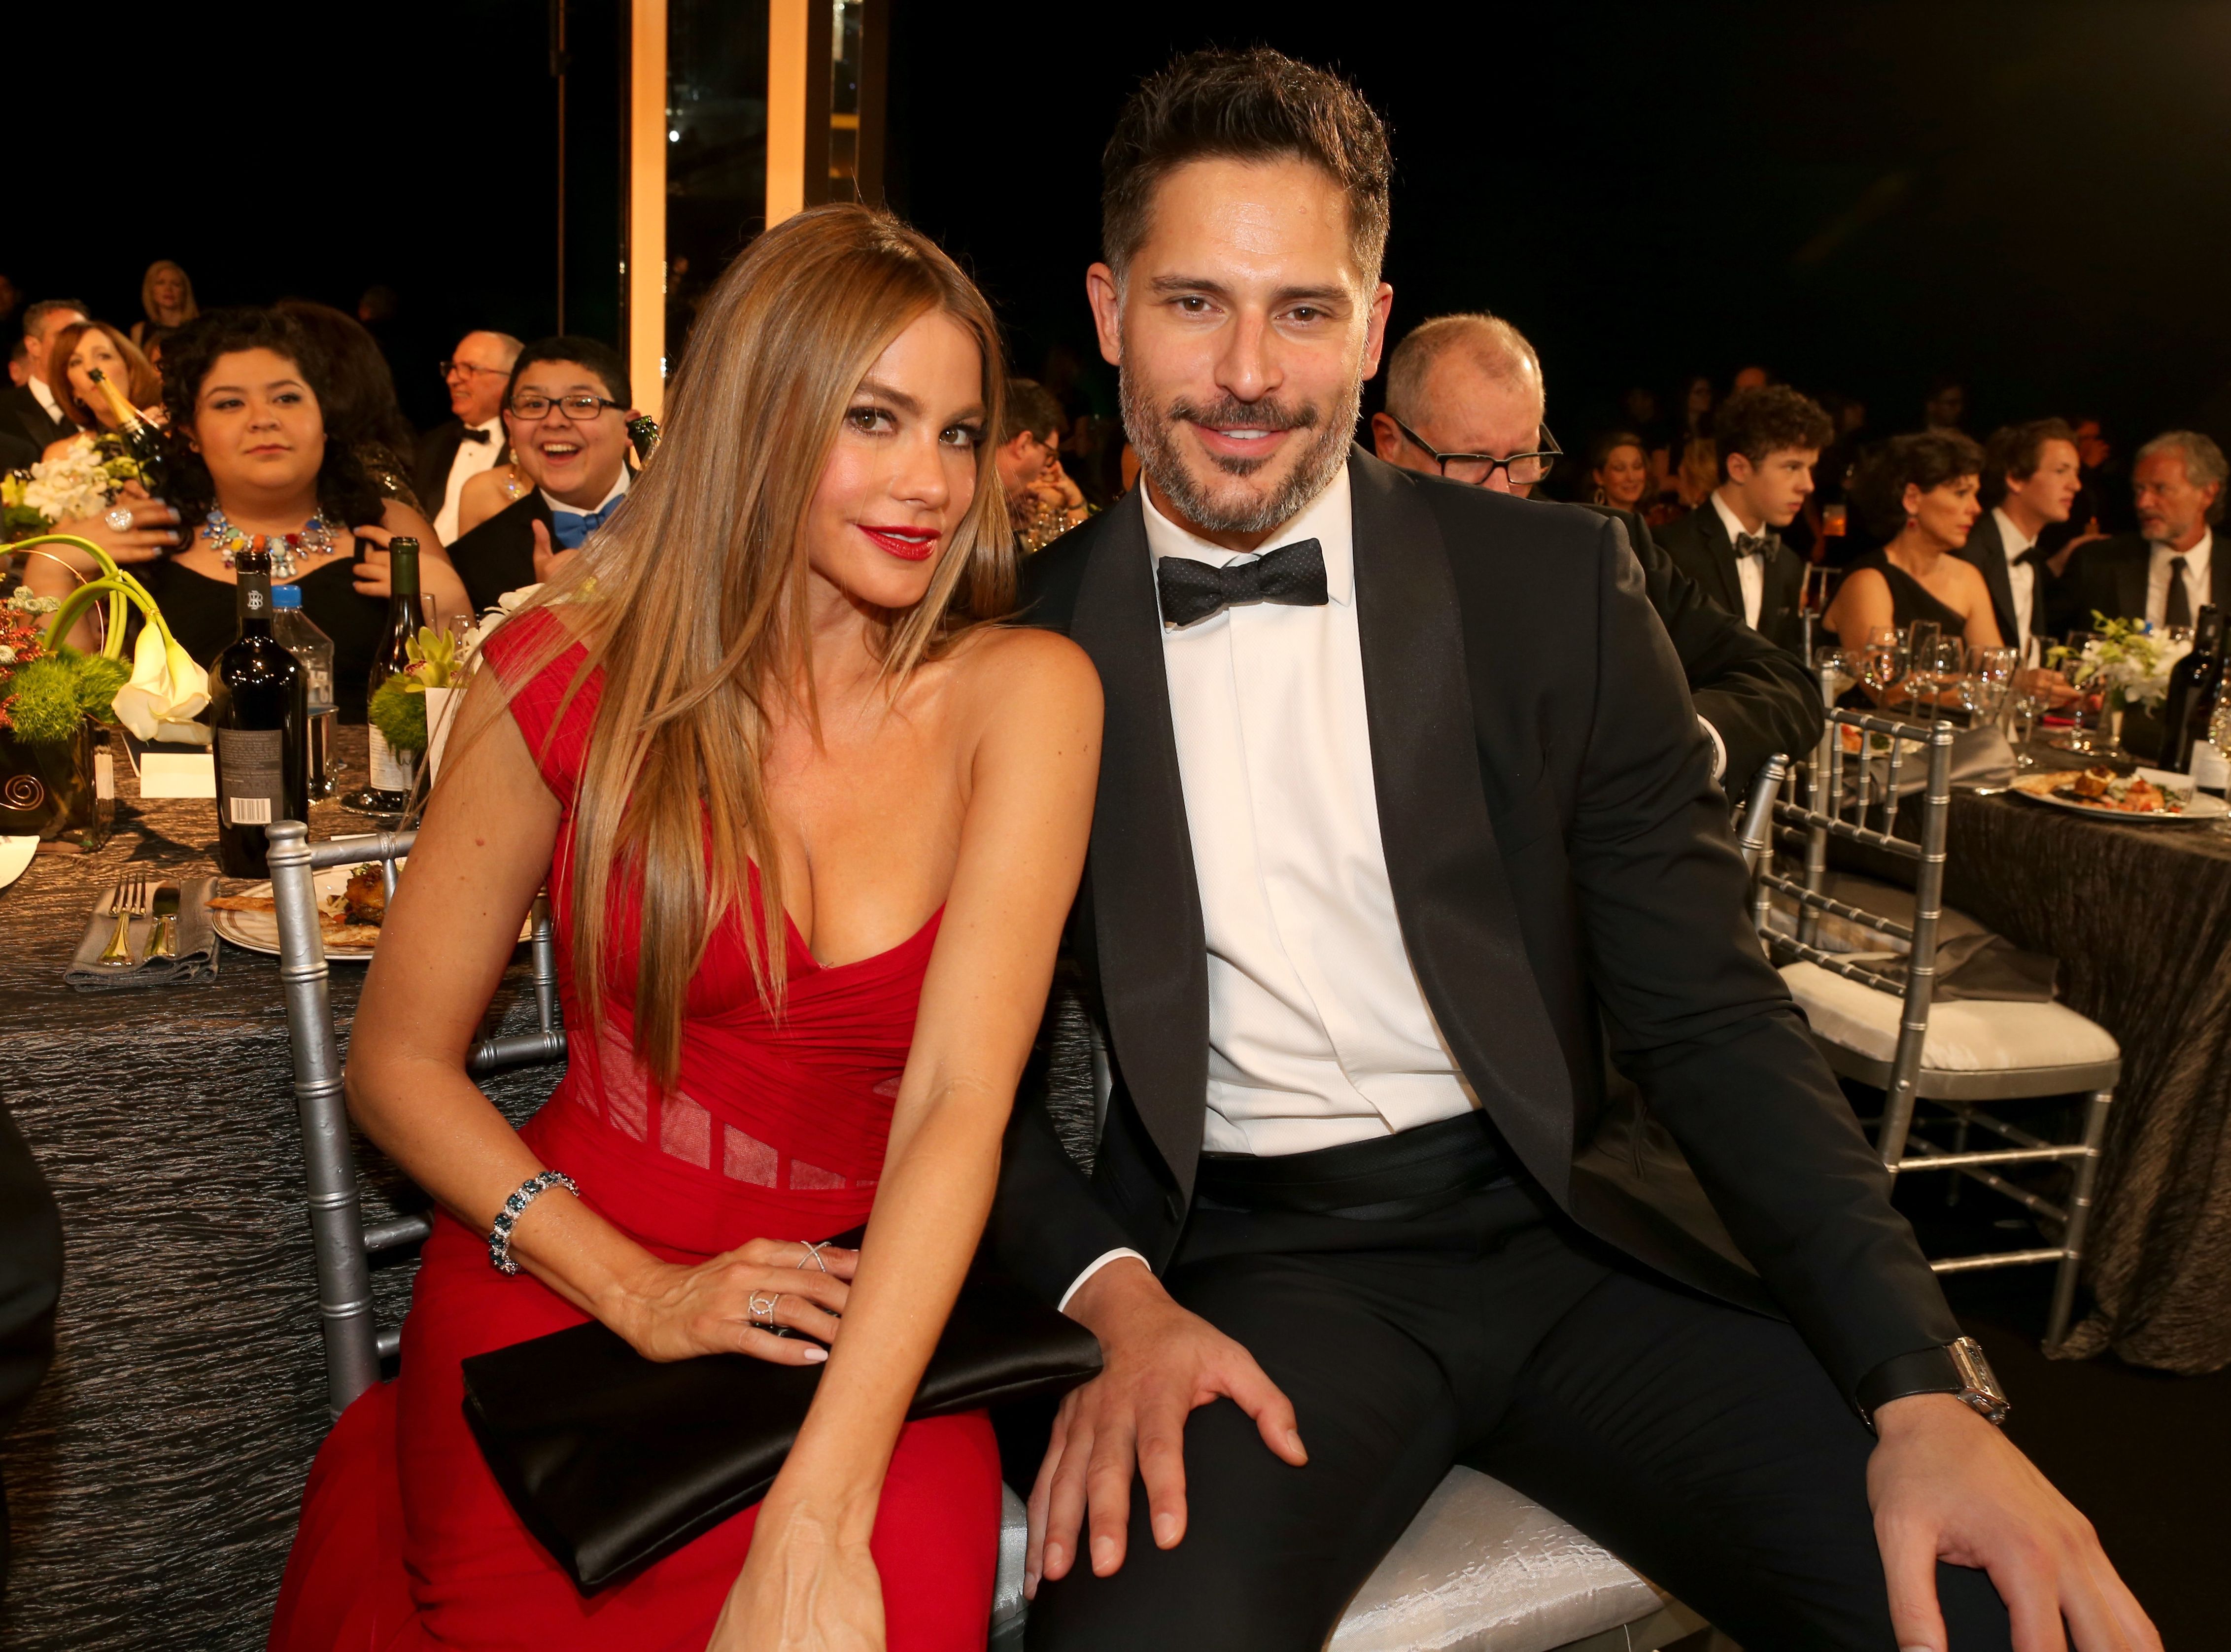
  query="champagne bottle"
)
[
  {"x": 393, "y": 772},
  {"x": 259, "y": 708},
  {"x": 2192, "y": 684},
  {"x": 141, "y": 440}
]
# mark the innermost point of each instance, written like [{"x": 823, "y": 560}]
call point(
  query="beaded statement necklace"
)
[{"x": 316, "y": 539}]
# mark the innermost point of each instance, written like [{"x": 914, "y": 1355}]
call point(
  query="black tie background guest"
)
[
  {"x": 2167, "y": 570},
  {"x": 1349, "y": 912},
  {"x": 1042, "y": 502},
  {"x": 30, "y": 409},
  {"x": 566, "y": 410},
  {"x": 1919, "y": 493},
  {"x": 30, "y": 1284},
  {"x": 2030, "y": 482},
  {"x": 1945, "y": 411},
  {"x": 1768, "y": 440},
  {"x": 1472, "y": 385},
  {"x": 469, "y": 441},
  {"x": 1619, "y": 470}
]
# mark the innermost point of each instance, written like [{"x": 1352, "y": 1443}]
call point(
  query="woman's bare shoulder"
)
[{"x": 1010, "y": 660}]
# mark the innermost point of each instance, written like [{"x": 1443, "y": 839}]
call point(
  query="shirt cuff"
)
[
  {"x": 1098, "y": 1262},
  {"x": 1719, "y": 763}
]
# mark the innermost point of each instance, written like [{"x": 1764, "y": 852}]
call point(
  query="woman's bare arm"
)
[
  {"x": 1022, "y": 849},
  {"x": 482, "y": 853},
  {"x": 1862, "y": 604}
]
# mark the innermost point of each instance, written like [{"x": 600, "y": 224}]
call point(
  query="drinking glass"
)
[
  {"x": 1882, "y": 663},
  {"x": 1921, "y": 640},
  {"x": 2090, "y": 708},
  {"x": 1990, "y": 679},
  {"x": 2032, "y": 697}
]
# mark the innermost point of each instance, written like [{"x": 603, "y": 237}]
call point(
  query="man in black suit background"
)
[
  {"x": 2030, "y": 481},
  {"x": 1400, "y": 786},
  {"x": 1768, "y": 441},
  {"x": 1464, "y": 391},
  {"x": 2167, "y": 570},
  {"x": 470, "y": 440},
  {"x": 30, "y": 408},
  {"x": 566, "y": 409}
]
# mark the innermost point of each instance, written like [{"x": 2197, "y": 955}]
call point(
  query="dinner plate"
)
[
  {"x": 259, "y": 931},
  {"x": 15, "y": 854},
  {"x": 2198, "y": 805}
]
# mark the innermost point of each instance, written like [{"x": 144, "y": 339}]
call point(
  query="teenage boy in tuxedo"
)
[
  {"x": 2031, "y": 474},
  {"x": 1768, "y": 441},
  {"x": 566, "y": 409},
  {"x": 1399, "y": 793},
  {"x": 1465, "y": 400}
]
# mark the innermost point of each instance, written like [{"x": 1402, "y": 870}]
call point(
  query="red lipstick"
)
[{"x": 909, "y": 544}]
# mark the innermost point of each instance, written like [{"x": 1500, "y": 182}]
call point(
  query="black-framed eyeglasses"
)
[
  {"x": 1524, "y": 470},
  {"x": 579, "y": 409},
  {"x": 449, "y": 367}
]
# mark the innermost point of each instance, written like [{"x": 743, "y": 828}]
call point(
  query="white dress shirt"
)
[
  {"x": 1318, "y": 1032},
  {"x": 558, "y": 504},
  {"x": 1750, "y": 571},
  {"x": 45, "y": 392},
  {"x": 472, "y": 459},
  {"x": 2021, "y": 576},
  {"x": 2197, "y": 587}
]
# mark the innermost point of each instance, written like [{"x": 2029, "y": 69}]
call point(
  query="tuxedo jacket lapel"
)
[
  {"x": 1729, "y": 594},
  {"x": 1459, "y": 923},
  {"x": 1988, "y": 553},
  {"x": 1144, "y": 902}
]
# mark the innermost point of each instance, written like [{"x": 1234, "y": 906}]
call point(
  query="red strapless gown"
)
[{"x": 773, "y": 1131}]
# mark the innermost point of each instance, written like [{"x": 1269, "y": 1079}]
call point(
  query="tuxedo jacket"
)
[
  {"x": 1700, "y": 547},
  {"x": 1759, "y": 698},
  {"x": 23, "y": 414},
  {"x": 499, "y": 555},
  {"x": 1987, "y": 550},
  {"x": 430, "y": 468},
  {"x": 2109, "y": 576},
  {"x": 1565, "y": 881}
]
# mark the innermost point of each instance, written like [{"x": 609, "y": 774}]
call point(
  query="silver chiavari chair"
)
[
  {"x": 1956, "y": 1056},
  {"x": 343, "y": 1242}
]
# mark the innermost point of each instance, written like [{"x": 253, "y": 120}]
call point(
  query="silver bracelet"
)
[{"x": 534, "y": 1187}]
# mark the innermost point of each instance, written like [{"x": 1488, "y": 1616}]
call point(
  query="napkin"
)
[
  {"x": 1983, "y": 966},
  {"x": 1980, "y": 757},
  {"x": 197, "y": 943}
]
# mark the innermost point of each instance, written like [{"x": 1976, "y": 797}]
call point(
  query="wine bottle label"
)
[
  {"x": 2209, "y": 768},
  {"x": 251, "y": 775},
  {"x": 391, "y": 771},
  {"x": 104, "y": 776}
]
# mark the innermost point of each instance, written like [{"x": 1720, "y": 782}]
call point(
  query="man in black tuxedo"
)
[
  {"x": 1768, "y": 441},
  {"x": 566, "y": 409},
  {"x": 30, "y": 408},
  {"x": 1466, "y": 399},
  {"x": 2030, "y": 477},
  {"x": 470, "y": 440},
  {"x": 2168, "y": 570},
  {"x": 1399, "y": 791}
]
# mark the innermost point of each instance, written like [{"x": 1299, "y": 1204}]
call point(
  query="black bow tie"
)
[
  {"x": 1762, "y": 545},
  {"x": 1192, "y": 591},
  {"x": 2032, "y": 557},
  {"x": 468, "y": 434}
]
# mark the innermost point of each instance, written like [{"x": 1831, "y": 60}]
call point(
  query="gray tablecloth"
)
[
  {"x": 155, "y": 1482},
  {"x": 2140, "y": 918}
]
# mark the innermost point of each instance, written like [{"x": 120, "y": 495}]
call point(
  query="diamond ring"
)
[
  {"x": 119, "y": 519},
  {"x": 762, "y": 1310}
]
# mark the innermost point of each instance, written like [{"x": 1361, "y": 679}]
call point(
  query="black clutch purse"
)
[{"x": 613, "y": 1461}]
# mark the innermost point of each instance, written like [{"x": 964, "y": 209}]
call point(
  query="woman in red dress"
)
[{"x": 811, "y": 822}]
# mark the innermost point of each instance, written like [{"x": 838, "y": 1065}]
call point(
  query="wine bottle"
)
[
  {"x": 259, "y": 708},
  {"x": 2193, "y": 683},
  {"x": 393, "y": 772},
  {"x": 137, "y": 432}
]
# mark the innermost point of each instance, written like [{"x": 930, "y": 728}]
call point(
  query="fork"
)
[{"x": 135, "y": 897}]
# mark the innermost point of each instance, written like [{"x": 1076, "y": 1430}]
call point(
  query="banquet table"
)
[
  {"x": 153, "y": 1483},
  {"x": 2140, "y": 917}
]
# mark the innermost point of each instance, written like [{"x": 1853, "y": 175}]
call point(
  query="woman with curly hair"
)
[{"x": 1919, "y": 489}]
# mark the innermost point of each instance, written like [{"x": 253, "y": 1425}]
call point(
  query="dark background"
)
[{"x": 1857, "y": 196}]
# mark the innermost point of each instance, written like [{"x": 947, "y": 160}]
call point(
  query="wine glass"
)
[
  {"x": 1921, "y": 640},
  {"x": 2033, "y": 696},
  {"x": 1990, "y": 679},
  {"x": 2090, "y": 700},
  {"x": 1882, "y": 661}
]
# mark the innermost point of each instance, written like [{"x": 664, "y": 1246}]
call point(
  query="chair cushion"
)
[
  {"x": 1483, "y": 1569},
  {"x": 1965, "y": 1035}
]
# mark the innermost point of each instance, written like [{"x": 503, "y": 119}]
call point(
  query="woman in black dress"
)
[
  {"x": 246, "y": 389},
  {"x": 1921, "y": 490}
]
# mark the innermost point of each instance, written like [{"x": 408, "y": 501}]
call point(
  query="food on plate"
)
[
  {"x": 2104, "y": 789},
  {"x": 350, "y": 918}
]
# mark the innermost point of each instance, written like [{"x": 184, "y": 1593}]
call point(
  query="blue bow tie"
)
[{"x": 570, "y": 527}]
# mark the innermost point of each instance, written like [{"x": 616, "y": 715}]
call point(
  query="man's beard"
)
[{"x": 1152, "y": 431}]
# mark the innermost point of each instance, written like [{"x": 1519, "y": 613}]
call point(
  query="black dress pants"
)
[{"x": 1701, "y": 1444}]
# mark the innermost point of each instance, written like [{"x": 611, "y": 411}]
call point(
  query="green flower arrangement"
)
[
  {"x": 399, "y": 705},
  {"x": 48, "y": 690}
]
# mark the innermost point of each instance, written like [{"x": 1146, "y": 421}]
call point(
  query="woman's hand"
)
[
  {"x": 804, "y": 1588},
  {"x": 149, "y": 531},
  {"x": 443, "y": 592},
  {"x": 676, "y": 1312}
]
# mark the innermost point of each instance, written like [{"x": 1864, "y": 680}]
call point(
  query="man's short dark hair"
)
[
  {"x": 1770, "y": 419},
  {"x": 598, "y": 358},
  {"x": 1030, "y": 406},
  {"x": 2015, "y": 451},
  {"x": 1256, "y": 105},
  {"x": 35, "y": 317}
]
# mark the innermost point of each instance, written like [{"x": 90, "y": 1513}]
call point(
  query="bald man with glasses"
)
[{"x": 1465, "y": 400}]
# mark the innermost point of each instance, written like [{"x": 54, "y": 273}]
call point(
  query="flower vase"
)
[
  {"x": 49, "y": 790},
  {"x": 441, "y": 710}
]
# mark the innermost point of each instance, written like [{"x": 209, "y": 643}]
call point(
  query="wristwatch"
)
[{"x": 1957, "y": 1367}]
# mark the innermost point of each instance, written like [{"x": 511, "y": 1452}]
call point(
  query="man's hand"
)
[
  {"x": 1945, "y": 1484},
  {"x": 1162, "y": 1361}
]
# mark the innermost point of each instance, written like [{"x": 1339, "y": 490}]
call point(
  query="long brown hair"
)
[
  {"x": 142, "y": 385},
  {"x": 692, "y": 604}
]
